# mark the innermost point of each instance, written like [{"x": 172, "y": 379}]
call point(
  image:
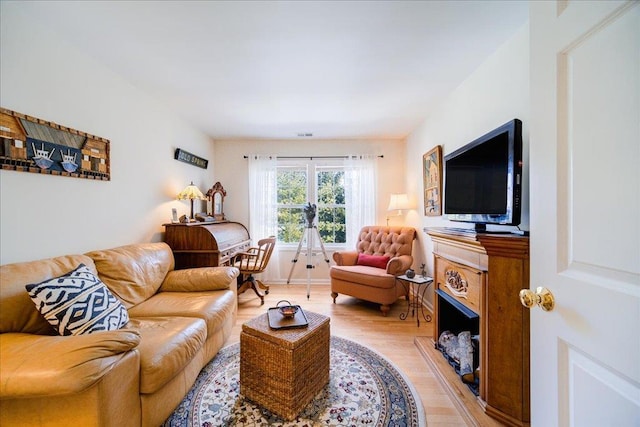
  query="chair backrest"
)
[
  {"x": 257, "y": 258},
  {"x": 388, "y": 241}
]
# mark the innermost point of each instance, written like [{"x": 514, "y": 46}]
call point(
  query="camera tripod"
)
[{"x": 308, "y": 236}]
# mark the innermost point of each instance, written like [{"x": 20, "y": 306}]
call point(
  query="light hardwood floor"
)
[{"x": 363, "y": 322}]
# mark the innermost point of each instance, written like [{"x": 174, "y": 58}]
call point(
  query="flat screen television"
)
[{"x": 483, "y": 179}]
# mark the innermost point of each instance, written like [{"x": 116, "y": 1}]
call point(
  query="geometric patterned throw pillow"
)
[{"x": 78, "y": 303}]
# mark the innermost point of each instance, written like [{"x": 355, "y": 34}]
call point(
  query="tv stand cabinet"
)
[{"x": 484, "y": 273}]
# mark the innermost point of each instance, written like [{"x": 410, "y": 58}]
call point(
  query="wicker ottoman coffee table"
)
[{"x": 283, "y": 369}]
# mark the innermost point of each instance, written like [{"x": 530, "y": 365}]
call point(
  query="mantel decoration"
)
[
  {"x": 432, "y": 174},
  {"x": 29, "y": 144},
  {"x": 191, "y": 193}
]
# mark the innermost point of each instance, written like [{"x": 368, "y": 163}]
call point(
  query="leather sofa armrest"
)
[
  {"x": 345, "y": 257},
  {"x": 199, "y": 279},
  {"x": 45, "y": 365},
  {"x": 399, "y": 265}
]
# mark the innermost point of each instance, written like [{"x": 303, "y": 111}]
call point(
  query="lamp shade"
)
[
  {"x": 399, "y": 202},
  {"x": 191, "y": 193}
]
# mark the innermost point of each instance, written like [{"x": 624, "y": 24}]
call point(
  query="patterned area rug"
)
[{"x": 364, "y": 389}]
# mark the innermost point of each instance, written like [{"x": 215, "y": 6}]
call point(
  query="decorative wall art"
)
[
  {"x": 432, "y": 174},
  {"x": 29, "y": 144}
]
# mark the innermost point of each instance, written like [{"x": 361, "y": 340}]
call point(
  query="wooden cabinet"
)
[{"x": 483, "y": 273}]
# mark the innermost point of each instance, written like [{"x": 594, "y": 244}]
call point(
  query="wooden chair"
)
[{"x": 254, "y": 261}]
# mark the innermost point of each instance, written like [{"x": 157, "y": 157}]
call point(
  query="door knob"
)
[{"x": 542, "y": 297}]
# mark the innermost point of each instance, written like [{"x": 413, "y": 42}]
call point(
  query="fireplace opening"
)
[{"x": 458, "y": 338}]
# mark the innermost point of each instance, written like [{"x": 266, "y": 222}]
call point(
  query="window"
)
[{"x": 320, "y": 183}]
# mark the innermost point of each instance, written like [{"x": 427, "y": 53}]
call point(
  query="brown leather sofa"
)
[
  {"x": 356, "y": 273},
  {"x": 133, "y": 376}
]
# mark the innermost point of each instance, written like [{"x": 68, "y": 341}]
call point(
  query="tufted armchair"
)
[{"x": 369, "y": 272}]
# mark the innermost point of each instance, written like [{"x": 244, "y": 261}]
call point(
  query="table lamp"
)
[{"x": 191, "y": 192}]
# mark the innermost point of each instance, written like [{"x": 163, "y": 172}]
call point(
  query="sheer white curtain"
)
[
  {"x": 360, "y": 194},
  {"x": 263, "y": 212}
]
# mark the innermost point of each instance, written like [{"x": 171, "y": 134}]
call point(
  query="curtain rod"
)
[{"x": 315, "y": 157}]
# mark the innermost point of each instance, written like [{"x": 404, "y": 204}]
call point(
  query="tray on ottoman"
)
[
  {"x": 283, "y": 369},
  {"x": 278, "y": 321}
]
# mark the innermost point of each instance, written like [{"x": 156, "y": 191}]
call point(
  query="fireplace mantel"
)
[{"x": 484, "y": 273}]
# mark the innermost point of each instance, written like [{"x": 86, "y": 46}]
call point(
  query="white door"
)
[{"x": 585, "y": 212}]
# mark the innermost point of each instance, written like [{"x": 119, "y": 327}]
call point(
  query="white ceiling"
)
[{"x": 273, "y": 69}]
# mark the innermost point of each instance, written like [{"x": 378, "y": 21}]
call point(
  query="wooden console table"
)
[{"x": 484, "y": 273}]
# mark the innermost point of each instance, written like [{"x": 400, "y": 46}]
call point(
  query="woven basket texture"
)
[{"x": 283, "y": 369}]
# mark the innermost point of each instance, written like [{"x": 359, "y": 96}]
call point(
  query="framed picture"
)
[{"x": 432, "y": 174}]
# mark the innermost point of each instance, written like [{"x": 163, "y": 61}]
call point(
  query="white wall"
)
[
  {"x": 232, "y": 171},
  {"x": 44, "y": 215},
  {"x": 495, "y": 93}
]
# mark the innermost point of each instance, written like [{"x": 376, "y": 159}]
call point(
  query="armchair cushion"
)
[
  {"x": 78, "y": 303},
  {"x": 379, "y": 261},
  {"x": 373, "y": 276}
]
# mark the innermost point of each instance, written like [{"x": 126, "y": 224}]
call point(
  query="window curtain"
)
[
  {"x": 263, "y": 212},
  {"x": 360, "y": 174}
]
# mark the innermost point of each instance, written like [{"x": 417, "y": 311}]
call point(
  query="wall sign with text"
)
[{"x": 192, "y": 159}]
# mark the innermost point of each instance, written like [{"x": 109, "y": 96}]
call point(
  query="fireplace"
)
[
  {"x": 476, "y": 282},
  {"x": 455, "y": 318}
]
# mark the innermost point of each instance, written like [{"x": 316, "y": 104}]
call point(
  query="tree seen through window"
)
[{"x": 320, "y": 185}]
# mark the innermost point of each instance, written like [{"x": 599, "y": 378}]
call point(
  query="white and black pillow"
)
[{"x": 78, "y": 303}]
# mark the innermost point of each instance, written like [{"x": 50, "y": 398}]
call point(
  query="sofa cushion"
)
[
  {"x": 212, "y": 307},
  {"x": 78, "y": 303},
  {"x": 378, "y": 261},
  {"x": 43, "y": 365},
  {"x": 17, "y": 312},
  {"x": 375, "y": 277},
  {"x": 167, "y": 345},
  {"x": 199, "y": 279},
  {"x": 134, "y": 272}
]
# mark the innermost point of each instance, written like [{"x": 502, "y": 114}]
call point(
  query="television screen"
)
[
  {"x": 482, "y": 179},
  {"x": 478, "y": 178}
]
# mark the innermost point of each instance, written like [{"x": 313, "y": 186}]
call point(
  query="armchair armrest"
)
[
  {"x": 345, "y": 257},
  {"x": 399, "y": 265},
  {"x": 45, "y": 365},
  {"x": 199, "y": 279}
]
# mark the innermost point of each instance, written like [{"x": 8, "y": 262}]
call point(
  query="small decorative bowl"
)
[{"x": 287, "y": 310}]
